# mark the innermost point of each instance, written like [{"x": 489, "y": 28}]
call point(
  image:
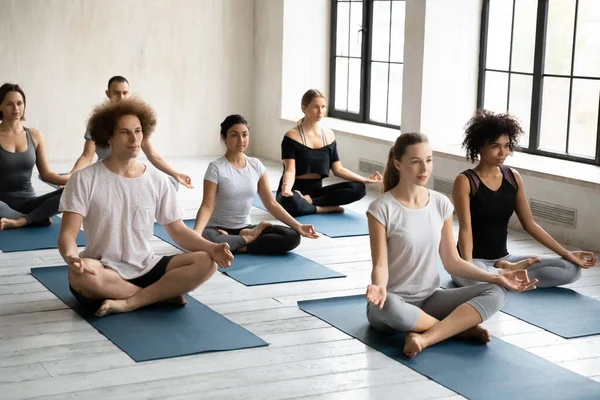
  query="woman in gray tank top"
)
[{"x": 20, "y": 149}]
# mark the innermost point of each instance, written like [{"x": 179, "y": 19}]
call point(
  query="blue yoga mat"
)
[
  {"x": 160, "y": 331},
  {"x": 561, "y": 311},
  {"x": 34, "y": 237},
  {"x": 496, "y": 371},
  {"x": 334, "y": 225},
  {"x": 254, "y": 269}
]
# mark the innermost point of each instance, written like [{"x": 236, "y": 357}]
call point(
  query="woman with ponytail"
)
[
  {"x": 309, "y": 152},
  {"x": 410, "y": 226}
]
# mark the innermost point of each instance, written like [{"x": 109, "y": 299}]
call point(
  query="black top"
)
[
  {"x": 490, "y": 213},
  {"x": 309, "y": 160}
]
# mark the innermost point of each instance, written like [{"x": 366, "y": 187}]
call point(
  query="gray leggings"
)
[
  {"x": 274, "y": 239},
  {"x": 398, "y": 315},
  {"x": 550, "y": 272},
  {"x": 34, "y": 209}
]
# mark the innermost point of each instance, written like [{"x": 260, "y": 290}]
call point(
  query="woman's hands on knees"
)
[
  {"x": 307, "y": 231},
  {"x": 376, "y": 295},
  {"x": 516, "y": 280},
  {"x": 584, "y": 259}
]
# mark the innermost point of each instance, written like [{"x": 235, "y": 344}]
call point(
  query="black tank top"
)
[
  {"x": 490, "y": 213},
  {"x": 309, "y": 160}
]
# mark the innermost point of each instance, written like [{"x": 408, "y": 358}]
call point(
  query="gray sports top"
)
[{"x": 15, "y": 179}]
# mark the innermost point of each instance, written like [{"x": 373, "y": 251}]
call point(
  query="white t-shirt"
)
[
  {"x": 236, "y": 188},
  {"x": 118, "y": 215},
  {"x": 413, "y": 241}
]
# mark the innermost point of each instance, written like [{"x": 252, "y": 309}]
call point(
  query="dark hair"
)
[
  {"x": 485, "y": 127},
  {"x": 117, "y": 78},
  {"x": 104, "y": 119},
  {"x": 12, "y": 87},
  {"x": 391, "y": 176},
  {"x": 230, "y": 121}
]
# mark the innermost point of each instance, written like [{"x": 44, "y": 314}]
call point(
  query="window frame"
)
[
  {"x": 537, "y": 81},
  {"x": 365, "y": 74}
]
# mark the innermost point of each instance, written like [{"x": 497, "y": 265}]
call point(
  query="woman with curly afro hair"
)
[{"x": 486, "y": 197}]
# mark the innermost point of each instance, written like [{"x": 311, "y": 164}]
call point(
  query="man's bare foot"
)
[
  {"x": 44, "y": 222},
  {"x": 329, "y": 209},
  {"x": 176, "y": 301},
  {"x": 523, "y": 264},
  {"x": 222, "y": 232},
  {"x": 477, "y": 333},
  {"x": 112, "y": 307},
  {"x": 413, "y": 344},
  {"x": 250, "y": 235},
  {"x": 6, "y": 223}
]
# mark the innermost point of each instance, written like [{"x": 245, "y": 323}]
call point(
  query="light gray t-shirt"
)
[
  {"x": 100, "y": 151},
  {"x": 118, "y": 215},
  {"x": 236, "y": 188},
  {"x": 413, "y": 241}
]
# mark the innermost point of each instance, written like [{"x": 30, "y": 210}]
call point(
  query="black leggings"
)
[
  {"x": 332, "y": 195},
  {"x": 34, "y": 209},
  {"x": 274, "y": 239}
]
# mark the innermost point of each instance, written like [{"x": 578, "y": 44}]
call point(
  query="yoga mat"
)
[
  {"x": 335, "y": 225},
  {"x": 496, "y": 371},
  {"x": 561, "y": 311},
  {"x": 34, "y": 237},
  {"x": 159, "y": 331},
  {"x": 254, "y": 269}
]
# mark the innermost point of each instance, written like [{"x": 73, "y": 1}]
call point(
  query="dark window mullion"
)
[
  {"x": 512, "y": 37},
  {"x": 333, "y": 55},
  {"x": 348, "y": 63},
  {"x": 538, "y": 71},
  {"x": 366, "y": 59},
  {"x": 571, "y": 77},
  {"x": 485, "y": 15}
]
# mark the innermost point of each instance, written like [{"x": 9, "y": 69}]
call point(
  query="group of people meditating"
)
[{"x": 118, "y": 198}]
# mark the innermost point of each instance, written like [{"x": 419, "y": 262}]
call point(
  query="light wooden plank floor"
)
[{"x": 47, "y": 351}]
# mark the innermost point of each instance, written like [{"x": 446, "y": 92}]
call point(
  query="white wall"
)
[
  {"x": 192, "y": 60},
  {"x": 439, "y": 96}
]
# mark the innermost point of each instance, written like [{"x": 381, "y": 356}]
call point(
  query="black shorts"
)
[{"x": 150, "y": 277}]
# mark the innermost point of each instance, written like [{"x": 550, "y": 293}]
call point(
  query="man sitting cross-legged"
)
[{"x": 117, "y": 200}]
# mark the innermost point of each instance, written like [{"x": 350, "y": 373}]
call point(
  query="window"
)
[
  {"x": 367, "y": 47},
  {"x": 540, "y": 61}
]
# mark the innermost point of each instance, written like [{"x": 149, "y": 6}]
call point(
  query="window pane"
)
[
  {"x": 395, "y": 98},
  {"x": 341, "y": 83},
  {"x": 397, "y": 48},
  {"x": 584, "y": 117},
  {"x": 524, "y": 35},
  {"x": 520, "y": 103},
  {"x": 559, "y": 37},
  {"x": 498, "y": 41},
  {"x": 555, "y": 107},
  {"x": 341, "y": 34},
  {"x": 381, "y": 31},
  {"x": 356, "y": 21},
  {"x": 379, "y": 80},
  {"x": 496, "y": 91},
  {"x": 587, "y": 44},
  {"x": 354, "y": 86}
]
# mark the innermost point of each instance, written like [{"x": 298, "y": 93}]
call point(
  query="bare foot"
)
[
  {"x": 413, "y": 344},
  {"x": 176, "y": 301},
  {"x": 112, "y": 307},
  {"x": 523, "y": 264},
  {"x": 477, "y": 334},
  {"x": 305, "y": 197},
  {"x": 250, "y": 235},
  {"x": 44, "y": 222},
  {"x": 222, "y": 232},
  {"x": 329, "y": 209},
  {"x": 6, "y": 223}
]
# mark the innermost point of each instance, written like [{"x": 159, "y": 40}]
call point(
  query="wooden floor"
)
[{"x": 47, "y": 351}]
